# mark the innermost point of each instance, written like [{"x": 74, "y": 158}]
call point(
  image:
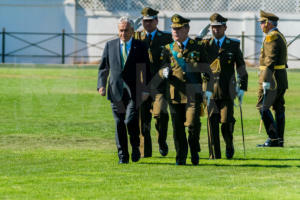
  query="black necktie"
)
[
  {"x": 181, "y": 46},
  {"x": 218, "y": 44},
  {"x": 149, "y": 38}
]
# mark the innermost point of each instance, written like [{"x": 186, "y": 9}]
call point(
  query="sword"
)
[
  {"x": 241, "y": 113},
  {"x": 242, "y": 124}
]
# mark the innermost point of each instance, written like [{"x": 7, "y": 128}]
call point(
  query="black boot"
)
[
  {"x": 229, "y": 152},
  {"x": 195, "y": 158},
  {"x": 280, "y": 121},
  {"x": 269, "y": 143}
]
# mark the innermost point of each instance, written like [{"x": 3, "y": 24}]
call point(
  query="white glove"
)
[
  {"x": 240, "y": 95},
  {"x": 208, "y": 94},
  {"x": 137, "y": 23},
  {"x": 266, "y": 86},
  {"x": 166, "y": 72},
  {"x": 204, "y": 31}
]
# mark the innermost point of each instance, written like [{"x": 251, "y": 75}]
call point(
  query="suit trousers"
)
[
  {"x": 126, "y": 120},
  {"x": 220, "y": 111},
  {"x": 158, "y": 105},
  {"x": 179, "y": 116},
  {"x": 274, "y": 128}
]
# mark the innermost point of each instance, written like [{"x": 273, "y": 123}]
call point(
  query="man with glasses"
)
[
  {"x": 272, "y": 80},
  {"x": 157, "y": 104}
]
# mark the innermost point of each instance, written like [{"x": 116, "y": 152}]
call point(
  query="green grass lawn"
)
[{"x": 57, "y": 142}]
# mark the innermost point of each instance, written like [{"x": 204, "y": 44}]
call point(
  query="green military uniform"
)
[
  {"x": 223, "y": 60},
  {"x": 273, "y": 64},
  {"x": 185, "y": 91},
  {"x": 157, "y": 102}
]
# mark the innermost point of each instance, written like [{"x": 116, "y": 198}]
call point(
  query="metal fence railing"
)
[
  {"x": 78, "y": 46},
  {"x": 287, "y": 6},
  {"x": 58, "y": 46}
]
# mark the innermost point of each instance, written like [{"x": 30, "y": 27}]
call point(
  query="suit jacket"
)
[
  {"x": 229, "y": 56},
  {"x": 135, "y": 73},
  {"x": 155, "y": 47},
  {"x": 274, "y": 53},
  {"x": 185, "y": 82}
]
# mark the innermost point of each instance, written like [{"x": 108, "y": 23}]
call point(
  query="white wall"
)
[
  {"x": 45, "y": 16},
  {"x": 52, "y": 16},
  {"x": 289, "y": 25}
]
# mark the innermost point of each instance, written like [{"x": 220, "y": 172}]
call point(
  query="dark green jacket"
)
[
  {"x": 231, "y": 59},
  {"x": 155, "y": 47},
  {"x": 185, "y": 84}
]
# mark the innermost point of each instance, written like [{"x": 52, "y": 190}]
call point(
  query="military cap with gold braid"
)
[
  {"x": 264, "y": 16},
  {"x": 179, "y": 21},
  {"x": 149, "y": 13},
  {"x": 217, "y": 20}
]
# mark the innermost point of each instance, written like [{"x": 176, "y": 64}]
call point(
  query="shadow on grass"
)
[
  {"x": 161, "y": 157},
  {"x": 294, "y": 147},
  {"x": 269, "y": 159},
  {"x": 222, "y": 165}
]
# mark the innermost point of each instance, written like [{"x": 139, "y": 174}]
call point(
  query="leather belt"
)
[{"x": 276, "y": 67}]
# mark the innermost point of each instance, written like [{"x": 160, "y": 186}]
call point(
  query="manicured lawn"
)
[{"x": 57, "y": 142}]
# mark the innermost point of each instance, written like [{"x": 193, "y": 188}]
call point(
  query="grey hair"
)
[
  {"x": 273, "y": 22},
  {"x": 126, "y": 19}
]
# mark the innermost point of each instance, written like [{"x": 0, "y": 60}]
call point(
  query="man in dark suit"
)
[
  {"x": 157, "y": 103},
  {"x": 126, "y": 62},
  {"x": 225, "y": 57}
]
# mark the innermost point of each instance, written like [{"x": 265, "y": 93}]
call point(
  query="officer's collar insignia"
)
[
  {"x": 158, "y": 33},
  {"x": 191, "y": 41},
  {"x": 227, "y": 41}
]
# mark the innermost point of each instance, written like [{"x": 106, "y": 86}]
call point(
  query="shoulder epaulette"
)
[
  {"x": 235, "y": 40},
  {"x": 191, "y": 41},
  {"x": 272, "y": 36},
  {"x": 168, "y": 46},
  {"x": 203, "y": 41}
]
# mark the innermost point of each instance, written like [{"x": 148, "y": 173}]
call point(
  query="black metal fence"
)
[{"x": 53, "y": 45}]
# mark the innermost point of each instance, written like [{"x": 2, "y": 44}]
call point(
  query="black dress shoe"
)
[
  {"x": 180, "y": 163},
  {"x": 163, "y": 149},
  {"x": 123, "y": 161},
  {"x": 135, "y": 155},
  {"x": 195, "y": 158},
  {"x": 229, "y": 152},
  {"x": 280, "y": 142},
  {"x": 269, "y": 143}
]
